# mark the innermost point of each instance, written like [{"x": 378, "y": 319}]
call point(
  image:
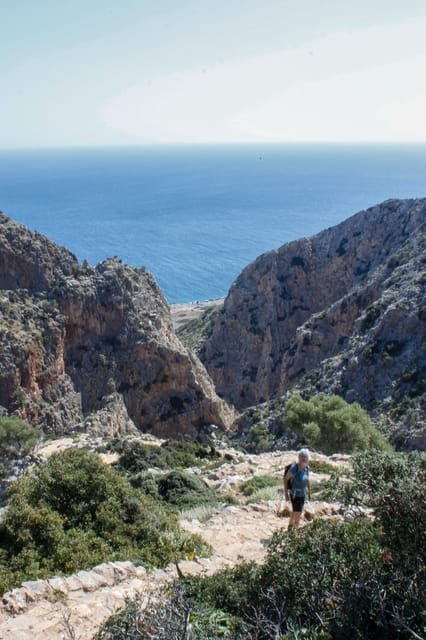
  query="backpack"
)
[{"x": 290, "y": 481}]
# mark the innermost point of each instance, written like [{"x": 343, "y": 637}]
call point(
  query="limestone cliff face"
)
[
  {"x": 343, "y": 311},
  {"x": 98, "y": 344}
]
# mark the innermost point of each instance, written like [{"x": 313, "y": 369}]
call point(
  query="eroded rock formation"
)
[
  {"x": 343, "y": 311},
  {"x": 79, "y": 342}
]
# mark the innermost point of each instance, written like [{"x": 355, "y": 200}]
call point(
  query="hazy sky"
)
[{"x": 96, "y": 72}]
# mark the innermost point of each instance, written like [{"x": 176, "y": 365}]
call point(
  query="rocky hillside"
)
[
  {"x": 94, "y": 345},
  {"x": 343, "y": 311}
]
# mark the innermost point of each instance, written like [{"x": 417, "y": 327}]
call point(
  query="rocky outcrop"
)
[
  {"x": 343, "y": 312},
  {"x": 79, "y": 343}
]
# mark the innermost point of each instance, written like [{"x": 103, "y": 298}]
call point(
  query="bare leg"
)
[{"x": 294, "y": 520}]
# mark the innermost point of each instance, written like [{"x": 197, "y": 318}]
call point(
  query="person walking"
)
[{"x": 296, "y": 486}]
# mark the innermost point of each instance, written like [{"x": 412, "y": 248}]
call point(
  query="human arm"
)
[{"x": 287, "y": 478}]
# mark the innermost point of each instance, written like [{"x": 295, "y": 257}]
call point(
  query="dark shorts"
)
[{"x": 297, "y": 503}]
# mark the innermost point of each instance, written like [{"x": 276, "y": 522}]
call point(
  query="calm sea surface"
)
[{"x": 195, "y": 216}]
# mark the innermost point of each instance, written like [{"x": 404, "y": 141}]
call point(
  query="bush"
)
[
  {"x": 258, "y": 439},
  {"x": 185, "y": 490},
  {"x": 248, "y": 487},
  {"x": 331, "y": 425},
  {"x": 173, "y": 454},
  {"x": 17, "y": 439},
  {"x": 393, "y": 486},
  {"x": 74, "y": 512},
  {"x": 146, "y": 482},
  {"x": 321, "y": 466},
  {"x": 175, "y": 619}
]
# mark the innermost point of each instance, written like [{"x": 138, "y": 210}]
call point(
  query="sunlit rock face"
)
[
  {"x": 343, "y": 311},
  {"x": 93, "y": 343}
]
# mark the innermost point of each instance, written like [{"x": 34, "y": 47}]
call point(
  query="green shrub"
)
[
  {"x": 248, "y": 487},
  {"x": 17, "y": 439},
  {"x": 393, "y": 485},
  {"x": 321, "y": 466},
  {"x": 74, "y": 512},
  {"x": 173, "y": 454},
  {"x": 176, "y": 619},
  {"x": 331, "y": 425},
  {"x": 146, "y": 482},
  {"x": 258, "y": 438},
  {"x": 184, "y": 490},
  {"x": 230, "y": 590}
]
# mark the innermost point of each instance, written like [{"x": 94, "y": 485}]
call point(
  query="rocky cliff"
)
[
  {"x": 343, "y": 311},
  {"x": 97, "y": 345}
]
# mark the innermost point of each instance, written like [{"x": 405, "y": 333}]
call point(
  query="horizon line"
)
[{"x": 134, "y": 145}]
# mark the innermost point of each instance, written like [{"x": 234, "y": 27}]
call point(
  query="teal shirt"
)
[{"x": 299, "y": 481}]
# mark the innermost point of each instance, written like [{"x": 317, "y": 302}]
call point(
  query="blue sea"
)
[{"x": 195, "y": 216}]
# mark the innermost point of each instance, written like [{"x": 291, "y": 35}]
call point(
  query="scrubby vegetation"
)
[
  {"x": 176, "y": 487},
  {"x": 326, "y": 423},
  {"x": 262, "y": 428},
  {"x": 180, "y": 490},
  {"x": 17, "y": 439},
  {"x": 74, "y": 512},
  {"x": 331, "y": 425},
  {"x": 331, "y": 581},
  {"x": 185, "y": 490},
  {"x": 136, "y": 457},
  {"x": 249, "y": 487},
  {"x": 321, "y": 466}
]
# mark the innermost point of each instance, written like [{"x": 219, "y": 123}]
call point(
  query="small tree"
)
[{"x": 331, "y": 425}]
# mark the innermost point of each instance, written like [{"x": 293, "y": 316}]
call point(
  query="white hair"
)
[{"x": 305, "y": 452}]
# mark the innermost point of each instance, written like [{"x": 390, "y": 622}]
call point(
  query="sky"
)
[{"x": 109, "y": 72}]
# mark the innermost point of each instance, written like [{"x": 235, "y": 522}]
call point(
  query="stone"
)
[
  {"x": 74, "y": 583},
  {"x": 123, "y": 569},
  {"x": 140, "y": 572},
  {"x": 260, "y": 507},
  {"x": 106, "y": 573},
  {"x": 58, "y": 585},
  {"x": 36, "y": 588},
  {"x": 283, "y": 510},
  {"x": 109, "y": 348},
  {"x": 14, "y": 601},
  {"x": 90, "y": 580},
  {"x": 340, "y": 312}
]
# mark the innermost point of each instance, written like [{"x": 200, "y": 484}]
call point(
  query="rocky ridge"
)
[
  {"x": 342, "y": 312},
  {"x": 87, "y": 347}
]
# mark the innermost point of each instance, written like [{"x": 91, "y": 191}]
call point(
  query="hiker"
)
[{"x": 296, "y": 486}]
